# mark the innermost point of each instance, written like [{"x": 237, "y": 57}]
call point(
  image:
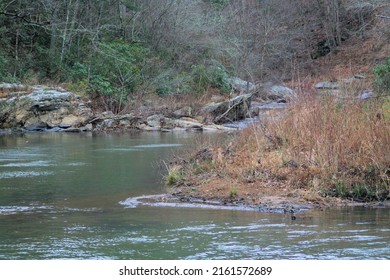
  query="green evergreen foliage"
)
[
  {"x": 170, "y": 83},
  {"x": 220, "y": 79},
  {"x": 196, "y": 80},
  {"x": 114, "y": 71},
  {"x": 117, "y": 65},
  {"x": 4, "y": 75},
  {"x": 382, "y": 77},
  {"x": 215, "y": 76},
  {"x": 201, "y": 79},
  {"x": 220, "y": 4}
]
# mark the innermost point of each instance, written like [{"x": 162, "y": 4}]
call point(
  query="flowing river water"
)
[{"x": 63, "y": 196}]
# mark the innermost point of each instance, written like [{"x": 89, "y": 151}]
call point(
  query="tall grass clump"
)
[
  {"x": 174, "y": 176},
  {"x": 320, "y": 146},
  {"x": 340, "y": 147}
]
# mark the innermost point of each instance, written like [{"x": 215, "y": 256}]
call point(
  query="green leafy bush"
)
[
  {"x": 113, "y": 72},
  {"x": 81, "y": 87},
  {"x": 219, "y": 4},
  {"x": 3, "y": 71},
  {"x": 119, "y": 64},
  {"x": 220, "y": 79},
  {"x": 5, "y": 75},
  {"x": 200, "y": 78},
  {"x": 382, "y": 77},
  {"x": 215, "y": 76},
  {"x": 77, "y": 72},
  {"x": 168, "y": 83}
]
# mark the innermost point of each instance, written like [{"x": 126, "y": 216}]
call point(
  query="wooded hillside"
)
[{"x": 114, "y": 48}]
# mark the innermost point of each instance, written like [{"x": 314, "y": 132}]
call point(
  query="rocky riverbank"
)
[
  {"x": 46, "y": 109},
  {"x": 54, "y": 109}
]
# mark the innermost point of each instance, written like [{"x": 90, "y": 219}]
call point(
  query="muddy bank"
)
[
  {"x": 270, "y": 205},
  {"x": 295, "y": 208}
]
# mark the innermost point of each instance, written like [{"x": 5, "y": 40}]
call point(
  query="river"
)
[{"x": 62, "y": 197}]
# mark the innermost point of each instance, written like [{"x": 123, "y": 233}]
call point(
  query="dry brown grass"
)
[
  {"x": 322, "y": 146},
  {"x": 340, "y": 146}
]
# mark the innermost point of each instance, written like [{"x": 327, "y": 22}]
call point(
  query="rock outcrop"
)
[
  {"x": 230, "y": 110},
  {"x": 278, "y": 93},
  {"x": 355, "y": 87},
  {"x": 40, "y": 109},
  {"x": 160, "y": 122},
  {"x": 327, "y": 85},
  {"x": 108, "y": 121},
  {"x": 241, "y": 86}
]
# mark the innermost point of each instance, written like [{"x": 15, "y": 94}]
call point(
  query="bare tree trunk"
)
[
  {"x": 122, "y": 18},
  {"x": 16, "y": 51},
  {"x": 64, "y": 36},
  {"x": 337, "y": 8}
]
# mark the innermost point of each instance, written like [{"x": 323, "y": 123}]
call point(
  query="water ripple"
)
[
  {"x": 158, "y": 145},
  {"x": 11, "y": 210},
  {"x": 37, "y": 163},
  {"x": 17, "y": 174}
]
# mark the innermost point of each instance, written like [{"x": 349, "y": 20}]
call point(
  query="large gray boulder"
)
[
  {"x": 241, "y": 85},
  {"x": 268, "y": 91},
  {"x": 188, "y": 123},
  {"x": 327, "y": 85},
  {"x": 48, "y": 100},
  {"x": 108, "y": 121},
  {"x": 43, "y": 110},
  {"x": 230, "y": 110},
  {"x": 280, "y": 92},
  {"x": 159, "y": 121},
  {"x": 7, "y": 89},
  {"x": 185, "y": 111}
]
